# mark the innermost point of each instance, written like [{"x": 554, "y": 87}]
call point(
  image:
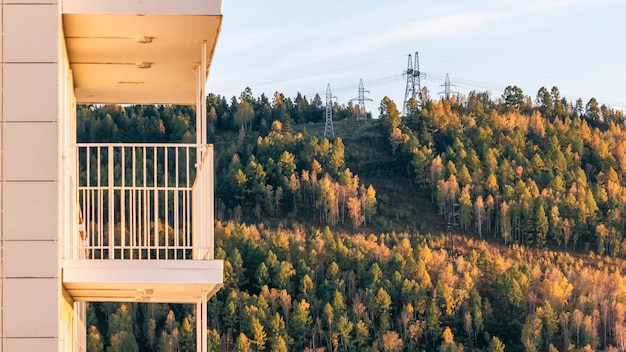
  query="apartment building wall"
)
[{"x": 34, "y": 312}]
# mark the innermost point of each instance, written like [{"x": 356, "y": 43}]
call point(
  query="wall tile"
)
[
  {"x": 30, "y": 211},
  {"x": 30, "y": 92},
  {"x": 30, "y": 151},
  {"x": 32, "y": 308},
  {"x": 31, "y": 32}
]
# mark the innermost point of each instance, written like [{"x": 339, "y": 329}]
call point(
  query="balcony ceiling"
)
[{"x": 139, "y": 51}]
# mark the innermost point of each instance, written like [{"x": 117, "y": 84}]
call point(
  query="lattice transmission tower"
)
[
  {"x": 413, "y": 82},
  {"x": 447, "y": 92},
  {"x": 361, "y": 101},
  {"x": 328, "y": 128}
]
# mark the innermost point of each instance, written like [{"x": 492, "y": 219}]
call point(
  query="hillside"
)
[
  {"x": 468, "y": 224},
  {"x": 402, "y": 205}
]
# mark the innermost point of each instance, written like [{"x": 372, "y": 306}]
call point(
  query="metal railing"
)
[{"x": 144, "y": 202}]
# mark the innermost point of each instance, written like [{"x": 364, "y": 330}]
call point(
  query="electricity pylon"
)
[
  {"x": 413, "y": 82},
  {"x": 446, "y": 88},
  {"x": 361, "y": 100},
  {"x": 328, "y": 128}
]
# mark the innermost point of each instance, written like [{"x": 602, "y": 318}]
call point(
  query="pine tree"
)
[
  {"x": 300, "y": 324},
  {"x": 242, "y": 344},
  {"x": 541, "y": 226},
  {"x": 259, "y": 337},
  {"x": 495, "y": 345},
  {"x": 187, "y": 334},
  {"x": 94, "y": 340},
  {"x": 121, "y": 331}
]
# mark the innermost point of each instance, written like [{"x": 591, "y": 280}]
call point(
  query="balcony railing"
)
[{"x": 144, "y": 202}]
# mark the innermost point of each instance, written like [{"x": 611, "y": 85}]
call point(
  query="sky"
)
[{"x": 296, "y": 46}]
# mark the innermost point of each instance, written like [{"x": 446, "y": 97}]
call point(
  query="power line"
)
[
  {"x": 317, "y": 74},
  {"x": 371, "y": 83},
  {"x": 460, "y": 82}
]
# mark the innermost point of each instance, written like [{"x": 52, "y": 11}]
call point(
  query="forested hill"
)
[{"x": 370, "y": 240}]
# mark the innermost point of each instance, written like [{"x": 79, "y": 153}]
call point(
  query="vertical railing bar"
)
[
  {"x": 111, "y": 180},
  {"x": 146, "y": 223},
  {"x": 140, "y": 224},
  {"x": 95, "y": 200},
  {"x": 141, "y": 201},
  {"x": 95, "y": 231},
  {"x": 133, "y": 200},
  {"x": 86, "y": 219},
  {"x": 88, "y": 216},
  {"x": 204, "y": 232},
  {"x": 126, "y": 188},
  {"x": 100, "y": 206},
  {"x": 205, "y": 203},
  {"x": 123, "y": 200},
  {"x": 181, "y": 209},
  {"x": 80, "y": 198},
  {"x": 205, "y": 211},
  {"x": 75, "y": 252},
  {"x": 176, "y": 205},
  {"x": 136, "y": 227},
  {"x": 156, "y": 201},
  {"x": 197, "y": 237},
  {"x": 92, "y": 223},
  {"x": 138, "y": 202},
  {"x": 166, "y": 200},
  {"x": 211, "y": 200},
  {"x": 207, "y": 230},
  {"x": 188, "y": 194},
  {"x": 183, "y": 219}
]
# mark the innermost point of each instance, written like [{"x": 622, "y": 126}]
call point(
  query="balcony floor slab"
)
[{"x": 159, "y": 281}]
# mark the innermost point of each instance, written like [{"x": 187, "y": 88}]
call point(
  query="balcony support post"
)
[
  {"x": 201, "y": 136},
  {"x": 202, "y": 323},
  {"x": 205, "y": 321},
  {"x": 203, "y": 141},
  {"x": 200, "y": 209},
  {"x": 198, "y": 326}
]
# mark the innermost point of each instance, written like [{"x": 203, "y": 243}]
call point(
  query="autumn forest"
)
[{"x": 476, "y": 223}]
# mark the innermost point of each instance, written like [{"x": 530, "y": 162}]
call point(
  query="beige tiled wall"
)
[
  {"x": 2, "y": 347},
  {"x": 29, "y": 269}
]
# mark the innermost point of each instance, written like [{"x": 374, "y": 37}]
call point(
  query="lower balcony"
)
[
  {"x": 162, "y": 281},
  {"x": 143, "y": 226}
]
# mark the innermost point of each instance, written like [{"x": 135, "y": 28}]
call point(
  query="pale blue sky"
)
[{"x": 290, "y": 46}]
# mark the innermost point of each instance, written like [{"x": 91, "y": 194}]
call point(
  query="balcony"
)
[{"x": 143, "y": 224}]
